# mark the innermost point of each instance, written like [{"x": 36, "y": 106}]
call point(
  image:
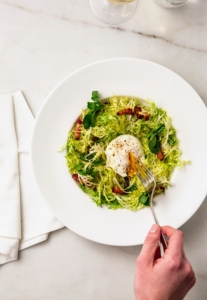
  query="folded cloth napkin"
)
[{"x": 25, "y": 219}]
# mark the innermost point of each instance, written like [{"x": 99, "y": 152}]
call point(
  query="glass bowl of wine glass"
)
[{"x": 113, "y": 11}]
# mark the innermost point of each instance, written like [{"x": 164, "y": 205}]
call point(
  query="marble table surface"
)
[{"x": 41, "y": 42}]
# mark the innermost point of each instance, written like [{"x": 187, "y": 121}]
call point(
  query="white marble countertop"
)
[{"x": 40, "y": 43}]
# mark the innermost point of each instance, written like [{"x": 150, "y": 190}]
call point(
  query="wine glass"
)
[{"x": 113, "y": 11}]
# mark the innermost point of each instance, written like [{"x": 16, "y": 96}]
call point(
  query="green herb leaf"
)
[
  {"x": 79, "y": 166},
  {"x": 93, "y": 121},
  {"x": 89, "y": 171},
  {"x": 159, "y": 129},
  {"x": 144, "y": 199},
  {"x": 87, "y": 121},
  {"x": 81, "y": 172},
  {"x": 152, "y": 141},
  {"x": 154, "y": 144},
  {"x": 113, "y": 205},
  {"x": 90, "y": 156},
  {"x": 94, "y": 174},
  {"x": 147, "y": 203},
  {"x": 83, "y": 188},
  {"x": 95, "y": 96},
  {"x": 172, "y": 140},
  {"x": 98, "y": 161},
  {"x": 132, "y": 188},
  {"x": 156, "y": 131},
  {"x": 91, "y": 105},
  {"x": 94, "y": 105}
]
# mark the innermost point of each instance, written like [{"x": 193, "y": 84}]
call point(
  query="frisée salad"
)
[{"x": 101, "y": 140}]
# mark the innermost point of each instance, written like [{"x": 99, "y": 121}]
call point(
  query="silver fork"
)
[{"x": 149, "y": 183}]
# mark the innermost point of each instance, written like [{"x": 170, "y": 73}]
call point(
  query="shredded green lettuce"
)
[{"x": 86, "y": 156}]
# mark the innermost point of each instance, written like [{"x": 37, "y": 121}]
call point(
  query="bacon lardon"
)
[
  {"x": 116, "y": 189},
  {"x": 78, "y": 129},
  {"x": 160, "y": 155},
  {"x": 126, "y": 111}
]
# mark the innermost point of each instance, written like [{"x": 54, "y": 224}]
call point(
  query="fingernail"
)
[{"x": 154, "y": 228}]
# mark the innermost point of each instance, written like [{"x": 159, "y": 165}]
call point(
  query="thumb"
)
[{"x": 150, "y": 245}]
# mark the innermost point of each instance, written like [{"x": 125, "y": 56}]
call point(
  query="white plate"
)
[{"x": 132, "y": 77}]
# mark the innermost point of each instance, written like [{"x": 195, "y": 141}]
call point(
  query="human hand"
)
[{"x": 163, "y": 278}]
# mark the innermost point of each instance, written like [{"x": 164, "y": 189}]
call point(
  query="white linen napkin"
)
[{"x": 25, "y": 219}]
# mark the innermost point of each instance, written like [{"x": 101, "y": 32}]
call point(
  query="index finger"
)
[{"x": 175, "y": 243}]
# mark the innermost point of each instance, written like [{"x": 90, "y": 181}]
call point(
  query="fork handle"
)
[{"x": 163, "y": 241}]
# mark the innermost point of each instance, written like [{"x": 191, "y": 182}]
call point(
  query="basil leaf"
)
[
  {"x": 87, "y": 121},
  {"x": 152, "y": 141},
  {"x": 144, "y": 199},
  {"x": 154, "y": 144},
  {"x": 93, "y": 119},
  {"x": 147, "y": 203}
]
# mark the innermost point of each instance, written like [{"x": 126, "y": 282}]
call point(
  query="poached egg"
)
[{"x": 117, "y": 153}]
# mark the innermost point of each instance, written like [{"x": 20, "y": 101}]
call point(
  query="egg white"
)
[{"x": 117, "y": 153}]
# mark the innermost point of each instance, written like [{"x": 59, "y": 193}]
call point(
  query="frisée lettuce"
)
[{"x": 97, "y": 126}]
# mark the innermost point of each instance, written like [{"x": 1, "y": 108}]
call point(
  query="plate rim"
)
[{"x": 40, "y": 111}]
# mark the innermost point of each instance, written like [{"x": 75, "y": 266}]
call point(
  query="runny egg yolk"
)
[{"x": 117, "y": 153}]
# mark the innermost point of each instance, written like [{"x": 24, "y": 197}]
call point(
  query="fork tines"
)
[{"x": 143, "y": 173}]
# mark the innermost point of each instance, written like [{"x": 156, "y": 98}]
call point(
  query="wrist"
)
[
  {"x": 141, "y": 297},
  {"x": 149, "y": 297}
]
